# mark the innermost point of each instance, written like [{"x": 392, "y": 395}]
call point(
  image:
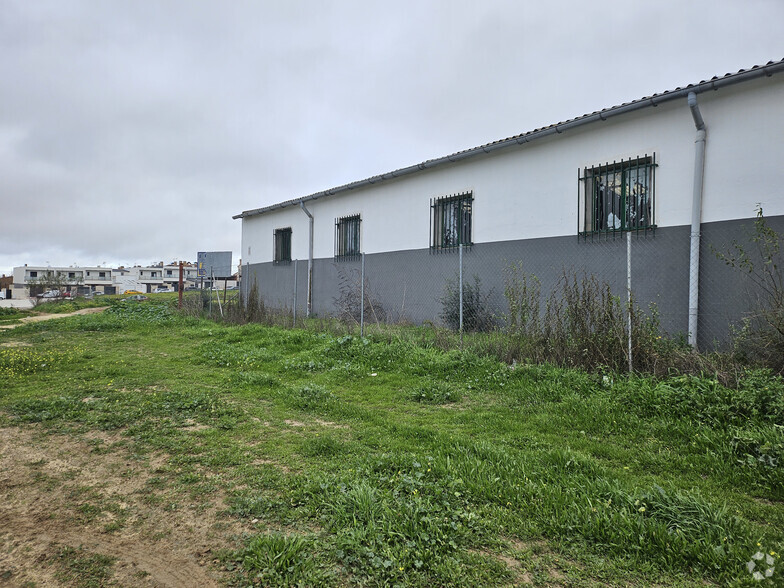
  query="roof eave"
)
[{"x": 767, "y": 70}]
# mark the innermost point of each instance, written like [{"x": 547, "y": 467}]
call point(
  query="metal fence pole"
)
[
  {"x": 217, "y": 295},
  {"x": 460, "y": 285},
  {"x": 245, "y": 283},
  {"x": 629, "y": 295},
  {"x": 295, "y": 293},
  {"x": 362, "y": 299},
  {"x": 202, "y": 292}
]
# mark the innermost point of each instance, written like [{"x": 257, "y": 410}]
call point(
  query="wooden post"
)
[{"x": 179, "y": 289}]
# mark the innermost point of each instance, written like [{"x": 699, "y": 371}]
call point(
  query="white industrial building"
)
[{"x": 683, "y": 170}]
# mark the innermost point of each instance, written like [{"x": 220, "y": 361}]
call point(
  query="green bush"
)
[
  {"x": 477, "y": 316},
  {"x": 760, "y": 338}
]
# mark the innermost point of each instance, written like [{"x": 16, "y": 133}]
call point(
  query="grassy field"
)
[{"x": 137, "y": 443}]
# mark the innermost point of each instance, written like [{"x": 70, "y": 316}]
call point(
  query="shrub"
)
[
  {"x": 349, "y": 301},
  {"x": 760, "y": 339},
  {"x": 477, "y": 316}
]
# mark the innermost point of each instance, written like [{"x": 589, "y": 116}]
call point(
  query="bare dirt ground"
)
[
  {"x": 45, "y": 317},
  {"x": 67, "y": 502}
]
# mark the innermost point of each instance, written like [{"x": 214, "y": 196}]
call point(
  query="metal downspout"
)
[
  {"x": 310, "y": 258},
  {"x": 696, "y": 218}
]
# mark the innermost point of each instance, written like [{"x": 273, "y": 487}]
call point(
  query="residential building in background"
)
[
  {"x": 6, "y": 285},
  {"x": 33, "y": 280},
  {"x": 30, "y": 281},
  {"x": 166, "y": 276}
]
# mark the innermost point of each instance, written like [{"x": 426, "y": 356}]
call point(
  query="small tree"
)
[
  {"x": 761, "y": 336},
  {"x": 54, "y": 280}
]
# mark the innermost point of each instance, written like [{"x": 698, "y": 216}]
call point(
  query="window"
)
[
  {"x": 347, "y": 237},
  {"x": 450, "y": 221},
  {"x": 282, "y": 246},
  {"x": 168, "y": 273},
  {"x": 152, "y": 274},
  {"x": 71, "y": 275},
  {"x": 33, "y": 274},
  {"x": 618, "y": 196}
]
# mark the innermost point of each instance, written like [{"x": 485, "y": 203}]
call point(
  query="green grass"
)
[
  {"x": 77, "y": 567},
  {"x": 391, "y": 462}
]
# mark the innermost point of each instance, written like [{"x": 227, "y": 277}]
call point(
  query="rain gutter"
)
[
  {"x": 310, "y": 257},
  {"x": 767, "y": 70},
  {"x": 696, "y": 218}
]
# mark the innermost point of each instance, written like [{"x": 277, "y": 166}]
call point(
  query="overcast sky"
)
[{"x": 131, "y": 132}]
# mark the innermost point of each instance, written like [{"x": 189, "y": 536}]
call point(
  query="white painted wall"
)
[
  {"x": 744, "y": 159},
  {"x": 531, "y": 191}
]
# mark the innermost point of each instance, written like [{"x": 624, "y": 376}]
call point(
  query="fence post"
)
[
  {"x": 629, "y": 295},
  {"x": 295, "y": 294},
  {"x": 460, "y": 286},
  {"x": 362, "y": 299},
  {"x": 202, "y": 293},
  {"x": 217, "y": 294}
]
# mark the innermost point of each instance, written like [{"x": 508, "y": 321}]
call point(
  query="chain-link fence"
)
[{"x": 622, "y": 286}]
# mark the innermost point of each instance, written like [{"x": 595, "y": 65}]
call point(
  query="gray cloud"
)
[{"x": 132, "y": 132}]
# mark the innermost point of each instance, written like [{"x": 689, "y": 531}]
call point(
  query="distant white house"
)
[
  {"x": 165, "y": 276},
  {"x": 32, "y": 280},
  {"x": 681, "y": 170}
]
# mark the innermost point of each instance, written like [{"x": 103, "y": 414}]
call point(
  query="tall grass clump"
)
[
  {"x": 583, "y": 323},
  {"x": 281, "y": 560},
  {"x": 241, "y": 310}
]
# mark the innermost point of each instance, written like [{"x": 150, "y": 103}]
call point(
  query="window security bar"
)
[{"x": 617, "y": 197}]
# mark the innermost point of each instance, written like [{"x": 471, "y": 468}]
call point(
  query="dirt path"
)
[
  {"x": 67, "y": 503},
  {"x": 46, "y": 317}
]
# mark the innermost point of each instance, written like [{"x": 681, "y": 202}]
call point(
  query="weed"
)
[
  {"x": 281, "y": 560},
  {"x": 310, "y": 397},
  {"x": 234, "y": 355},
  {"x": 148, "y": 313},
  {"x": 435, "y": 392},
  {"x": 323, "y": 446},
  {"x": 20, "y": 361},
  {"x": 83, "y": 569}
]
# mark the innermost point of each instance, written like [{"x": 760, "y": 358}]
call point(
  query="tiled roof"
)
[{"x": 713, "y": 83}]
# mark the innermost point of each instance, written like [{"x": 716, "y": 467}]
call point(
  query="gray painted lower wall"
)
[{"x": 408, "y": 285}]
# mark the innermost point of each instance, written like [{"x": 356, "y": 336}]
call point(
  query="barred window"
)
[
  {"x": 347, "y": 237},
  {"x": 450, "y": 221},
  {"x": 282, "y": 246},
  {"x": 618, "y": 196}
]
